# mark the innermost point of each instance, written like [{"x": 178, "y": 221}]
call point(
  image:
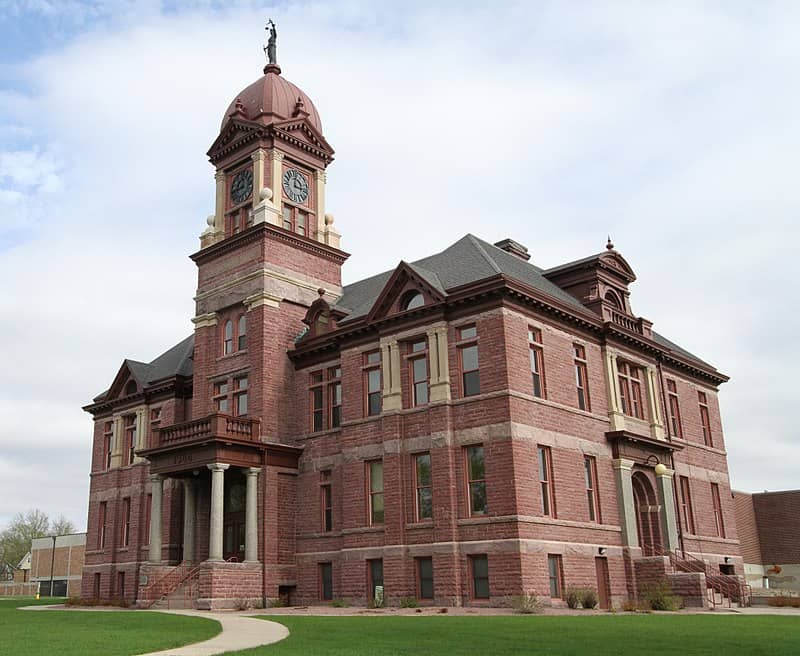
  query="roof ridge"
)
[{"x": 477, "y": 243}]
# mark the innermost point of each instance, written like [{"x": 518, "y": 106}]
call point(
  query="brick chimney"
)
[{"x": 513, "y": 247}]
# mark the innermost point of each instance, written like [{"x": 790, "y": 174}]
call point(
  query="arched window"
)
[
  {"x": 242, "y": 336},
  {"x": 227, "y": 345},
  {"x": 611, "y": 297},
  {"x": 412, "y": 301},
  {"x": 131, "y": 388}
]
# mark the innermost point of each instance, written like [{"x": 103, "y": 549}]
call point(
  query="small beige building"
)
[{"x": 62, "y": 566}]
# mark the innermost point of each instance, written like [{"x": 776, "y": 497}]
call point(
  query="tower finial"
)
[
  {"x": 610, "y": 244},
  {"x": 271, "y": 49}
]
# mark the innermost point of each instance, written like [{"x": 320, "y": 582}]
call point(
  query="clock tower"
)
[{"x": 269, "y": 252}]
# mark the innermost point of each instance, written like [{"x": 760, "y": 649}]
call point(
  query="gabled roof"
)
[
  {"x": 177, "y": 361},
  {"x": 469, "y": 260}
]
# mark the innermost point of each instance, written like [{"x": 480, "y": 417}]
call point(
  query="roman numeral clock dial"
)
[{"x": 295, "y": 185}]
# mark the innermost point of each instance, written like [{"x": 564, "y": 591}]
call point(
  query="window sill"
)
[
  {"x": 428, "y": 523},
  {"x": 363, "y": 529},
  {"x": 230, "y": 356}
]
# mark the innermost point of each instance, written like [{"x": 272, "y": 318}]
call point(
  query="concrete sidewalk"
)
[{"x": 238, "y": 632}]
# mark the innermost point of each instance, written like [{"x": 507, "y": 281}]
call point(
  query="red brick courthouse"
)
[{"x": 460, "y": 429}]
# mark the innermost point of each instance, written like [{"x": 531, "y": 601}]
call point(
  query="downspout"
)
[
  {"x": 263, "y": 518},
  {"x": 667, "y": 421}
]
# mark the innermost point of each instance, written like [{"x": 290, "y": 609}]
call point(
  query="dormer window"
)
[
  {"x": 612, "y": 299},
  {"x": 412, "y": 301},
  {"x": 131, "y": 388}
]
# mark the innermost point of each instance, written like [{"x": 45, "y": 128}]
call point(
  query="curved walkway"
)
[{"x": 238, "y": 632}]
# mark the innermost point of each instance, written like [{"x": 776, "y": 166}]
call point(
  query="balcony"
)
[
  {"x": 636, "y": 325},
  {"x": 213, "y": 427}
]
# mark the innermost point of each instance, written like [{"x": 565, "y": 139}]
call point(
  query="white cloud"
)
[{"x": 671, "y": 128}]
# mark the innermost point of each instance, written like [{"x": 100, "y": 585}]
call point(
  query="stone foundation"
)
[{"x": 230, "y": 585}]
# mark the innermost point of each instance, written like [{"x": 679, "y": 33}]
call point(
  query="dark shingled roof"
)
[
  {"x": 177, "y": 361},
  {"x": 469, "y": 260}
]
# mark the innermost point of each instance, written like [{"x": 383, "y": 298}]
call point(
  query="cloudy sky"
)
[{"x": 672, "y": 127}]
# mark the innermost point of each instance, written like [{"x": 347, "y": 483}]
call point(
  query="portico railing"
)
[{"x": 213, "y": 426}]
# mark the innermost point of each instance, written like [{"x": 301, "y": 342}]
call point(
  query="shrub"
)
[
  {"x": 276, "y": 603},
  {"x": 782, "y": 600},
  {"x": 589, "y": 598},
  {"x": 659, "y": 597},
  {"x": 527, "y": 603},
  {"x": 408, "y": 602},
  {"x": 241, "y": 604},
  {"x": 339, "y": 603},
  {"x": 573, "y": 597}
]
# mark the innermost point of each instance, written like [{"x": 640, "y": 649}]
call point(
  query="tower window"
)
[
  {"x": 234, "y": 335},
  {"x": 296, "y": 220}
]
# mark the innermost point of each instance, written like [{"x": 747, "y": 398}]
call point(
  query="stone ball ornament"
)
[
  {"x": 265, "y": 194},
  {"x": 661, "y": 469}
]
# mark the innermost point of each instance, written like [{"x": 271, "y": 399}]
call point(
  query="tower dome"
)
[{"x": 272, "y": 99}]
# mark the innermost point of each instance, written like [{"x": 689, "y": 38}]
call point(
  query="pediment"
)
[
  {"x": 236, "y": 131},
  {"x": 614, "y": 262},
  {"x": 406, "y": 280},
  {"x": 299, "y": 129},
  {"x": 129, "y": 374}
]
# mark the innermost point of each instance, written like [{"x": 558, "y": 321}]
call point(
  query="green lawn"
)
[
  {"x": 497, "y": 636},
  {"x": 79, "y": 633}
]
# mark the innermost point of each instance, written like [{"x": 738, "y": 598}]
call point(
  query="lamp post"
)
[{"x": 52, "y": 564}]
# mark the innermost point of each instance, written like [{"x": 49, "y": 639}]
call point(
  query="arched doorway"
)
[{"x": 648, "y": 515}]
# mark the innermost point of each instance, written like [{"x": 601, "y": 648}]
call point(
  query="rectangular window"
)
[
  {"x": 326, "y": 500},
  {"x": 419, "y": 372},
  {"x": 221, "y": 396},
  {"x": 301, "y": 222},
  {"x": 422, "y": 481},
  {"x": 96, "y": 588},
  {"x": 126, "y": 521},
  {"x": 592, "y": 496},
  {"x": 227, "y": 338},
  {"x": 372, "y": 383},
  {"x": 155, "y": 416},
  {"x": 687, "y": 512},
  {"x": 546, "y": 481},
  {"x": 375, "y": 572},
  {"x": 326, "y": 581},
  {"x": 718, "y": 523},
  {"x": 287, "y": 217},
  {"x": 537, "y": 361},
  {"x": 240, "y": 386},
  {"x": 476, "y": 480},
  {"x": 674, "y": 409},
  {"x": 480, "y": 576},
  {"x": 108, "y": 433},
  {"x": 101, "y": 524},
  {"x": 704, "y": 419},
  {"x": 425, "y": 578},
  {"x": 630, "y": 389},
  {"x": 581, "y": 378},
  {"x": 130, "y": 438},
  {"x": 468, "y": 359},
  {"x": 375, "y": 487},
  {"x": 555, "y": 571},
  {"x": 335, "y": 396},
  {"x": 242, "y": 333},
  {"x": 121, "y": 584},
  {"x": 317, "y": 408}
]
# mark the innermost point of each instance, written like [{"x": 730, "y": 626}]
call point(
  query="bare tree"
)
[{"x": 15, "y": 539}]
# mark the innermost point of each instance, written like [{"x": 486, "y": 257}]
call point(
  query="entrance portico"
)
[{"x": 221, "y": 463}]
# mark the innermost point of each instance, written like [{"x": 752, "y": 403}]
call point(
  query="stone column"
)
[
  {"x": 438, "y": 362},
  {"x": 117, "y": 438},
  {"x": 277, "y": 174},
  {"x": 627, "y": 507},
  {"x": 217, "y": 510},
  {"x": 320, "y": 177},
  {"x": 219, "y": 208},
  {"x": 666, "y": 496},
  {"x": 251, "y": 516},
  {"x": 258, "y": 172},
  {"x": 189, "y": 511},
  {"x": 141, "y": 432},
  {"x": 390, "y": 363},
  {"x": 156, "y": 491},
  {"x": 615, "y": 414}
]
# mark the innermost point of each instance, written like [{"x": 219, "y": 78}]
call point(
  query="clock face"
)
[
  {"x": 242, "y": 186},
  {"x": 295, "y": 185}
]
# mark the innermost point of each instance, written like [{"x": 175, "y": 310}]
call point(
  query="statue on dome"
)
[{"x": 270, "y": 49}]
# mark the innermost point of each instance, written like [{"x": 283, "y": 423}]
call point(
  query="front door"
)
[
  {"x": 233, "y": 524},
  {"x": 648, "y": 515},
  {"x": 603, "y": 592}
]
